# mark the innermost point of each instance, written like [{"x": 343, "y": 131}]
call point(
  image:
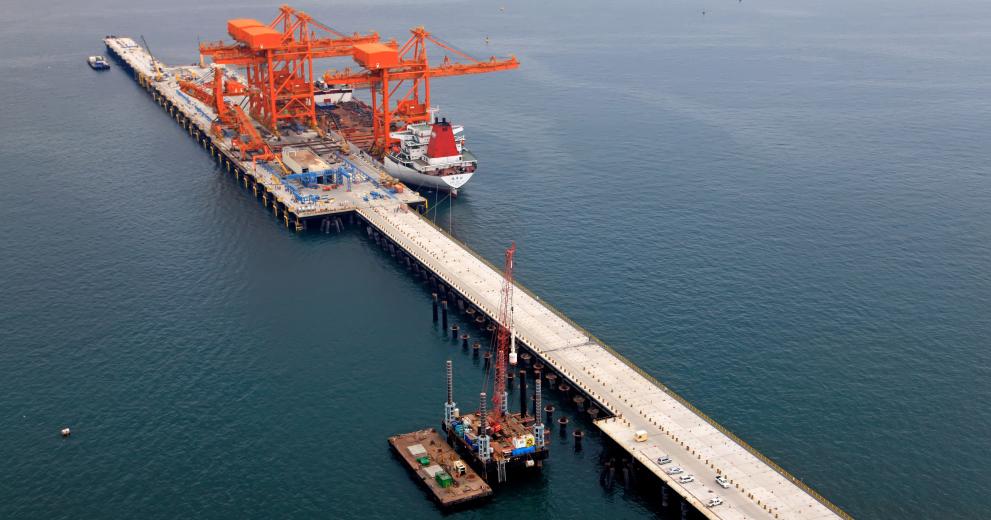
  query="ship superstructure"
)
[{"x": 431, "y": 155}]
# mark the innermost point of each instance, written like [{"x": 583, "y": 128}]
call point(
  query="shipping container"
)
[
  {"x": 523, "y": 451},
  {"x": 444, "y": 479}
]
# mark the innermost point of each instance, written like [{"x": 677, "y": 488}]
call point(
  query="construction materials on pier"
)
[
  {"x": 633, "y": 399},
  {"x": 439, "y": 469}
]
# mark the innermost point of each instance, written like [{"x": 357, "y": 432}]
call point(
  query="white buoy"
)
[{"x": 66, "y": 432}]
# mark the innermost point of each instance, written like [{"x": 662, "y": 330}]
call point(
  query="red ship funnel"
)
[{"x": 441, "y": 141}]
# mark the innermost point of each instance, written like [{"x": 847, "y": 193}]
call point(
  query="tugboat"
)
[
  {"x": 98, "y": 63},
  {"x": 431, "y": 155}
]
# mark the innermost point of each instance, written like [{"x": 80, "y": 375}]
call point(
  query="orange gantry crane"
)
[
  {"x": 387, "y": 63},
  {"x": 279, "y": 62}
]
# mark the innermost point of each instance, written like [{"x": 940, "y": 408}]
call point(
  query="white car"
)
[
  {"x": 674, "y": 470},
  {"x": 714, "y": 501},
  {"x": 663, "y": 459},
  {"x": 685, "y": 479},
  {"x": 722, "y": 481}
]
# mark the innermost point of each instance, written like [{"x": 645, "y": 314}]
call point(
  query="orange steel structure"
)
[
  {"x": 215, "y": 98},
  {"x": 279, "y": 62},
  {"x": 388, "y": 63},
  {"x": 246, "y": 139}
]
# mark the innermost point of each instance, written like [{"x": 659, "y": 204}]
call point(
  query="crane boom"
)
[
  {"x": 500, "y": 399},
  {"x": 407, "y": 63},
  {"x": 356, "y": 78}
]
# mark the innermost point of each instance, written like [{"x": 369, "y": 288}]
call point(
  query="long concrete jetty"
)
[{"x": 757, "y": 487}]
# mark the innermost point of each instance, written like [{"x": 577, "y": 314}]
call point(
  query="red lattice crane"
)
[
  {"x": 385, "y": 64},
  {"x": 504, "y": 336},
  {"x": 279, "y": 62}
]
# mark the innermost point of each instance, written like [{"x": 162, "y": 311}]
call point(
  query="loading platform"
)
[
  {"x": 633, "y": 400},
  {"x": 440, "y": 470},
  {"x": 359, "y": 179}
]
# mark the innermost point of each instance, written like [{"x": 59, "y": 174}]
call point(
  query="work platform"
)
[
  {"x": 439, "y": 469},
  {"x": 635, "y": 401}
]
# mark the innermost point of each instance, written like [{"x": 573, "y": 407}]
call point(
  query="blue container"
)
[{"x": 523, "y": 451}]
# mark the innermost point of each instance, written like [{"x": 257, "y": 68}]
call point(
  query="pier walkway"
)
[{"x": 758, "y": 489}]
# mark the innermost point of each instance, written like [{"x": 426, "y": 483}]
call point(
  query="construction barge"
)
[
  {"x": 498, "y": 443},
  {"x": 643, "y": 416},
  {"x": 439, "y": 469}
]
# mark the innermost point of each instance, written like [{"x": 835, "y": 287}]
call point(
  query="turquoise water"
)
[{"x": 780, "y": 209}]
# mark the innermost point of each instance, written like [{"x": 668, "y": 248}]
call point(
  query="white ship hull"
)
[
  {"x": 332, "y": 96},
  {"x": 415, "y": 178}
]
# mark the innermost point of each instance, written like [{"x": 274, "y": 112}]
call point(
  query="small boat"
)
[{"x": 98, "y": 63}]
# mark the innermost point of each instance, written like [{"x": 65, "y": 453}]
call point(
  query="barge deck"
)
[{"x": 439, "y": 469}]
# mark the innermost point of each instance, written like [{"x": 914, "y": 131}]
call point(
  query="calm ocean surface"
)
[{"x": 781, "y": 209}]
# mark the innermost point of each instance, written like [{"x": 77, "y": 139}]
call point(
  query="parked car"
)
[{"x": 722, "y": 481}]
